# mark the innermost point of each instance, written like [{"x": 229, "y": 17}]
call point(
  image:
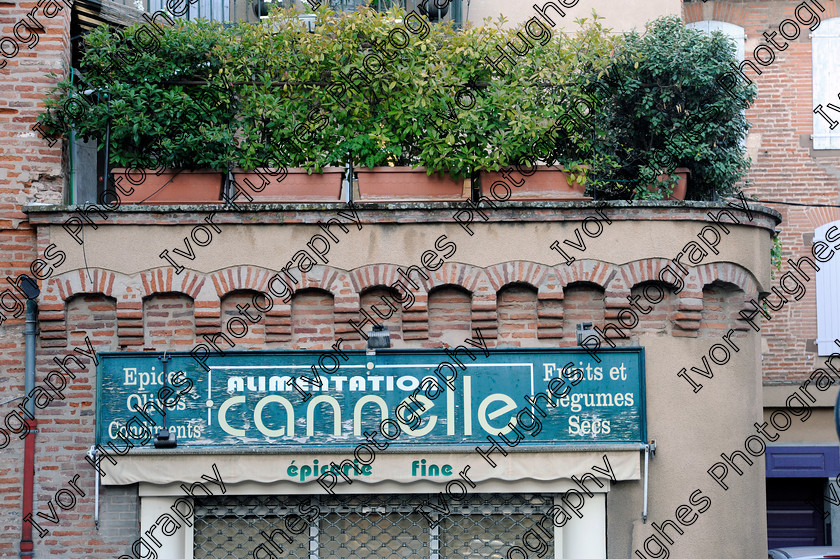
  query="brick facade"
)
[
  {"x": 784, "y": 167},
  {"x": 169, "y": 320},
  {"x": 161, "y": 310},
  {"x": 515, "y": 304},
  {"x": 30, "y": 171}
]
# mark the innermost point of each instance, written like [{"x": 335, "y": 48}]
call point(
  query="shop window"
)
[
  {"x": 828, "y": 290},
  {"x": 825, "y": 66},
  {"x": 369, "y": 526}
]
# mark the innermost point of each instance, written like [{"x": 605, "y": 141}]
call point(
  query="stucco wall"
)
[{"x": 510, "y": 271}]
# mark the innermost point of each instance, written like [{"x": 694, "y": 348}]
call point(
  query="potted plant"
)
[
  {"x": 537, "y": 182},
  {"x": 167, "y": 113},
  {"x": 384, "y": 118},
  {"x": 291, "y": 131},
  {"x": 663, "y": 115},
  {"x": 522, "y": 127}
]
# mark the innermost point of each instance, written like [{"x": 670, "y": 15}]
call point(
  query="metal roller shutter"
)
[{"x": 367, "y": 526}]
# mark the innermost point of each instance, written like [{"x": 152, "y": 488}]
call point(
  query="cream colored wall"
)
[
  {"x": 134, "y": 248},
  {"x": 620, "y": 16},
  {"x": 691, "y": 430},
  {"x": 818, "y": 428}
]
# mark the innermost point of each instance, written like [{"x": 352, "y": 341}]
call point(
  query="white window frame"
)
[
  {"x": 825, "y": 84},
  {"x": 734, "y": 32},
  {"x": 828, "y": 290}
]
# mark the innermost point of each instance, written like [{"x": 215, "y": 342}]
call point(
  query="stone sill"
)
[{"x": 394, "y": 212}]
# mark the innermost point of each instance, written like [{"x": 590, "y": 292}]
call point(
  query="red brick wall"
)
[
  {"x": 66, "y": 431},
  {"x": 168, "y": 319},
  {"x": 30, "y": 170},
  {"x": 169, "y": 322},
  {"x": 784, "y": 167},
  {"x": 659, "y": 319},
  {"x": 582, "y": 302},
  {"x": 718, "y": 312},
  {"x": 517, "y": 310},
  {"x": 11, "y": 464},
  {"x": 450, "y": 319},
  {"x": 373, "y": 298},
  {"x": 255, "y": 338},
  {"x": 313, "y": 319}
]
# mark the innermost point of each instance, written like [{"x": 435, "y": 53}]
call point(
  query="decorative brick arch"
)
[
  {"x": 591, "y": 271},
  {"x": 346, "y": 298},
  {"x": 706, "y": 274},
  {"x": 415, "y": 319},
  {"x": 476, "y": 282},
  {"x": 715, "y": 11},
  {"x": 165, "y": 280},
  {"x": 517, "y": 271},
  {"x": 239, "y": 278},
  {"x": 63, "y": 287},
  {"x": 206, "y": 306},
  {"x": 550, "y": 311},
  {"x": 818, "y": 217},
  {"x": 374, "y": 275},
  {"x": 639, "y": 271},
  {"x": 77, "y": 282},
  {"x": 346, "y": 286}
]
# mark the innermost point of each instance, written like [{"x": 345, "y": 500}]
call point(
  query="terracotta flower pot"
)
[
  {"x": 167, "y": 186},
  {"x": 402, "y": 184},
  {"x": 290, "y": 185},
  {"x": 545, "y": 183},
  {"x": 679, "y": 189}
]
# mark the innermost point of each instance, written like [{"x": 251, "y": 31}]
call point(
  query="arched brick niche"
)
[
  {"x": 510, "y": 311},
  {"x": 93, "y": 315},
  {"x": 254, "y": 334},
  {"x": 169, "y": 321},
  {"x": 582, "y": 302},
  {"x": 721, "y": 303},
  {"x": 516, "y": 308},
  {"x": 450, "y": 315},
  {"x": 313, "y": 319},
  {"x": 656, "y": 304}
]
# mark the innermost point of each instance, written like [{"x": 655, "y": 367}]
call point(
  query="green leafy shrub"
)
[
  {"x": 166, "y": 99},
  {"x": 391, "y": 89},
  {"x": 661, "y": 96}
]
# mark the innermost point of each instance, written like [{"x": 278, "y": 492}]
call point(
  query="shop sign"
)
[{"x": 260, "y": 398}]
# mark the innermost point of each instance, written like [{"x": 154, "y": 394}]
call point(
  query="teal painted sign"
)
[{"x": 259, "y": 398}]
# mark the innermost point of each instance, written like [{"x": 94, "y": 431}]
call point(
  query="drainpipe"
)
[{"x": 31, "y": 331}]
